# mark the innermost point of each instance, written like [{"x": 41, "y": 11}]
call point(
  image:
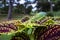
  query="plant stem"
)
[{"x": 31, "y": 37}]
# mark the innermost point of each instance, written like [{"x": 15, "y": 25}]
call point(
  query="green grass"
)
[
  {"x": 3, "y": 17},
  {"x": 55, "y": 13},
  {"x": 19, "y": 16}
]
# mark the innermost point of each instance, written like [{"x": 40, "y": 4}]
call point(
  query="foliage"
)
[
  {"x": 50, "y": 14},
  {"x": 6, "y": 37},
  {"x": 39, "y": 31},
  {"x": 49, "y": 22},
  {"x": 28, "y": 27},
  {"x": 51, "y": 34},
  {"x": 20, "y": 36},
  {"x": 4, "y": 10}
]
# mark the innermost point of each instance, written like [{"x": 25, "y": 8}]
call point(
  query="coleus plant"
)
[
  {"x": 26, "y": 26},
  {"x": 8, "y": 29},
  {"x": 50, "y": 34},
  {"x": 32, "y": 25}
]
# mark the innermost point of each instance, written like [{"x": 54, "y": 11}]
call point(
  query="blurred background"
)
[{"x": 16, "y": 9}]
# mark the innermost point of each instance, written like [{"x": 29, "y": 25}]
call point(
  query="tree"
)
[{"x": 10, "y": 9}]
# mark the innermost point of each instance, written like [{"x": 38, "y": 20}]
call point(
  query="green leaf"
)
[
  {"x": 6, "y": 36},
  {"x": 30, "y": 31}
]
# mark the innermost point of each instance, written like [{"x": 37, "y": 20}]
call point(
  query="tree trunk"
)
[
  {"x": 10, "y": 9},
  {"x": 51, "y": 7}
]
